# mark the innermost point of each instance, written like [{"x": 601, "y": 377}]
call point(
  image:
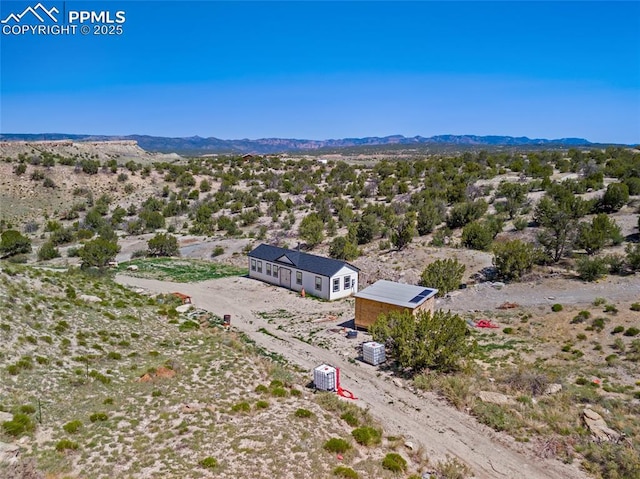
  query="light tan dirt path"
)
[{"x": 422, "y": 418}]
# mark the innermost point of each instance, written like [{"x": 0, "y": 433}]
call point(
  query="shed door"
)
[{"x": 285, "y": 277}]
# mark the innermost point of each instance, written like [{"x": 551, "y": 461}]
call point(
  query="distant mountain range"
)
[{"x": 199, "y": 145}]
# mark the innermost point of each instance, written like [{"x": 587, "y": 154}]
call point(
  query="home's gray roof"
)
[
  {"x": 405, "y": 295},
  {"x": 302, "y": 261}
]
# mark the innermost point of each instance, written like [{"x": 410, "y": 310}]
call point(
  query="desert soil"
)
[{"x": 308, "y": 333}]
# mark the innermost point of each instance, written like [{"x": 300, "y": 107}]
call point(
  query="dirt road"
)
[{"x": 422, "y": 419}]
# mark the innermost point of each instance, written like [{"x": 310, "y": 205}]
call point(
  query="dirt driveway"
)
[{"x": 423, "y": 419}]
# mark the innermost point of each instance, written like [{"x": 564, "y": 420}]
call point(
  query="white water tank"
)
[
  {"x": 373, "y": 353},
  {"x": 325, "y": 377}
]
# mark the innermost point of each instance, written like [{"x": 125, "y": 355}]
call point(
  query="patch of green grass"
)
[
  {"x": 98, "y": 417},
  {"x": 72, "y": 426},
  {"x": 208, "y": 463},
  {"x": 394, "y": 462},
  {"x": 350, "y": 418},
  {"x": 367, "y": 436},
  {"x": 261, "y": 389},
  {"x": 66, "y": 445},
  {"x": 279, "y": 392},
  {"x": 19, "y": 425},
  {"x": 241, "y": 407},
  {"x": 180, "y": 270},
  {"x": 344, "y": 471},
  {"x": 304, "y": 413},
  {"x": 337, "y": 445}
]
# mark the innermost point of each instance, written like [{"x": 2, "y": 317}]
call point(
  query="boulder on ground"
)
[
  {"x": 553, "y": 388},
  {"x": 183, "y": 308},
  {"x": 9, "y": 453},
  {"x": 163, "y": 372},
  {"x": 5, "y": 416},
  {"x": 90, "y": 298},
  {"x": 191, "y": 408},
  {"x": 495, "y": 398},
  {"x": 598, "y": 426}
]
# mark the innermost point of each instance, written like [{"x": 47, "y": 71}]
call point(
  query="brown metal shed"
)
[{"x": 384, "y": 296}]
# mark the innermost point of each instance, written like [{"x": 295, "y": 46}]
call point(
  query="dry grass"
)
[{"x": 96, "y": 354}]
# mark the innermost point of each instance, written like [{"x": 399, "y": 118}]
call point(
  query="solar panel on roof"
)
[{"x": 423, "y": 294}]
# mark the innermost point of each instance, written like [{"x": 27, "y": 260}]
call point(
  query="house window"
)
[
  {"x": 275, "y": 270},
  {"x": 336, "y": 285},
  {"x": 298, "y": 277},
  {"x": 347, "y": 282},
  {"x": 253, "y": 265},
  {"x": 268, "y": 269},
  {"x": 259, "y": 266},
  {"x": 318, "y": 283}
]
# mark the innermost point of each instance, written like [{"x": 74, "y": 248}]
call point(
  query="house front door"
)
[{"x": 285, "y": 277}]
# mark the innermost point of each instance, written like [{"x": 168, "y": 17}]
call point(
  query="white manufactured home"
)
[{"x": 325, "y": 278}]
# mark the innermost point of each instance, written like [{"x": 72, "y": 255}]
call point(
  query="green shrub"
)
[
  {"x": 581, "y": 317},
  {"x": 98, "y": 417},
  {"x": 114, "y": 355},
  {"x": 556, "y": 308},
  {"x": 350, "y": 418},
  {"x": 610, "y": 308},
  {"x": 66, "y": 445},
  {"x": 337, "y": 445},
  {"x": 107, "y": 401},
  {"x": 367, "y": 436},
  {"x": 156, "y": 393},
  {"x": 279, "y": 392},
  {"x": 582, "y": 381},
  {"x": 187, "y": 325},
  {"x": 635, "y": 307},
  {"x": 599, "y": 301},
  {"x": 241, "y": 407},
  {"x": 72, "y": 427},
  {"x": 598, "y": 324},
  {"x": 276, "y": 383},
  {"x": 27, "y": 409},
  {"x": 633, "y": 331},
  {"x": 304, "y": 413},
  {"x": 611, "y": 460},
  {"x": 19, "y": 425},
  {"x": 591, "y": 269},
  {"x": 394, "y": 462},
  {"x": 344, "y": 471},
  {"x": 261, "y": 388},
  {"x": 42, "y": 360},
  {"x": 617, "y": 329},
  {"x": 507, "y": 330},
  {"x": 208, "y": 462},
  {"x": 262, "y": 405},
  {"x": 496, "y": 417}
]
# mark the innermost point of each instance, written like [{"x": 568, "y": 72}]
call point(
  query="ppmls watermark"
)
[{"x": 42, "y": 20}]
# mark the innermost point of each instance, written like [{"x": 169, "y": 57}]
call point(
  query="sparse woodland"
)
[{"x": 532, "y": 215}]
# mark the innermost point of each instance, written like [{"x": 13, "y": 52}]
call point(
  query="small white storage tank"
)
[
  {"x": 324, "y": 377},
  {"x": 373, "y": 353}
]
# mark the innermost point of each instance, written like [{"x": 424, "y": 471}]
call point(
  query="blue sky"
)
[{"x": 302, "y": 69}]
